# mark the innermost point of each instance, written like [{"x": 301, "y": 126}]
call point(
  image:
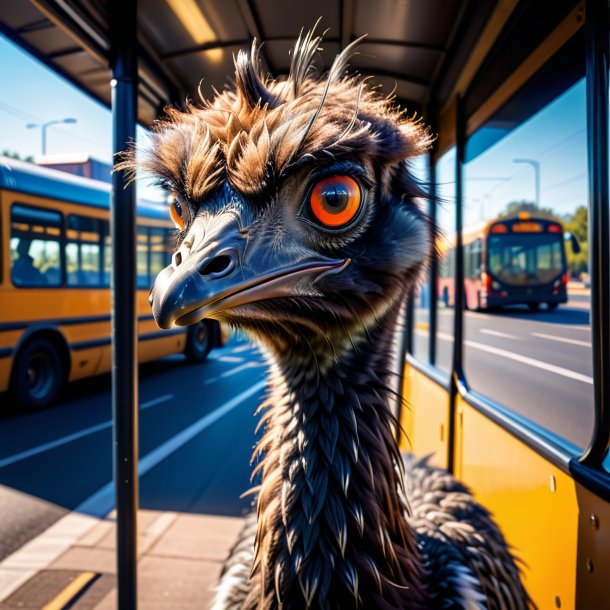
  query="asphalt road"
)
[
  {"x": 197, "y": 424},
  {"x": 196, "y": 440},
  {"x": 537, "y": 363}
]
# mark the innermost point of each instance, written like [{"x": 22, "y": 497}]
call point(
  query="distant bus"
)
[
  {"x": 510, "y": 261},
  {"x": 55, "y": 261}
]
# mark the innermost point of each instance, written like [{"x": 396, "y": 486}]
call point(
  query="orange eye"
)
[
  {"x": 178, "y": 212},
  {"x": 335, "y": 201}
]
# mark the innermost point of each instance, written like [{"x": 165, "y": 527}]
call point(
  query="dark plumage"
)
[{"x": 299, "y": 224}]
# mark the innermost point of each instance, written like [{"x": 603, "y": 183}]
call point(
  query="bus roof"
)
[{"x": 45, "y": 182}]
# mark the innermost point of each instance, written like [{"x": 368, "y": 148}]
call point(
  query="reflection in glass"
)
[
  {"x": 421, "y": 298},
  {"x": 527, "y": 340},
  {"x": 445, "y": 220}
]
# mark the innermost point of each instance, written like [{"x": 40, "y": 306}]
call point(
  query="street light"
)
[
  {"x": 536, "y": 165},
  {"x": 44, "y": 126}
]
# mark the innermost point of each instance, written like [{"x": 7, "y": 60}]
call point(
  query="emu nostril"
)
[
  {"x": 177, "y": 259},
  {"x": 219, "y": 266}
]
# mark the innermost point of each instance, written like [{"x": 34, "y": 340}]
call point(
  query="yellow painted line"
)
[
  {"x": 422, "y": 326},
  {"x": 71, "y": 591}
]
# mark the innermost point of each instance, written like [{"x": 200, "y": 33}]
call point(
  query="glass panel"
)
[
  {"x": 527, "y": 339},
  {"x": 421, "y": 299},
  {"x": 83, "y": 252},
  {"x": 35, "y": 246},
  {"x": 142, "y": 258},
  {"x": 445, "y": 220}
]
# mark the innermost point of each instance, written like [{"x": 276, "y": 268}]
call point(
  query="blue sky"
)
[
  {"x": 36, "y": 94},
  {"x": 555, "y": 137}
]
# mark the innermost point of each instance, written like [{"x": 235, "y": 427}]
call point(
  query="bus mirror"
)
[{"x": 573, "y": 242}]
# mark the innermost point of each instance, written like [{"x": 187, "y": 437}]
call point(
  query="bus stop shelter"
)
[{"x": 136, "y": 58}]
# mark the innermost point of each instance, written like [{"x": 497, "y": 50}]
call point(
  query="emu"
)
[{"x": 298, "y": 222}]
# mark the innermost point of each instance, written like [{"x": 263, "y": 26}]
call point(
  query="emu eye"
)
[
  {"x": 335, "y": 201},
  {"x": 178, "y": 212}
]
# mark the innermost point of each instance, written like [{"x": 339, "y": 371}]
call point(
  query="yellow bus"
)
[{"x": 55, "y": 260}]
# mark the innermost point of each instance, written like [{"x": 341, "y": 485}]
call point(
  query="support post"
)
[
  {"x": 599, "y": 223},
  {"x": 457, "y": 373},
  {"x": 123, "y": 62}
]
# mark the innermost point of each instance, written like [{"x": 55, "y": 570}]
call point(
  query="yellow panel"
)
[
  {"x": 534, "y": 503},
  {"x": 153, "y": 349},
  {"x": 424, "y": 417}
]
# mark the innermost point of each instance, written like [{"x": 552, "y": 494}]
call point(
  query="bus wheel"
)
[
  {"x": 199, "y": 341},
  {"x": 533, "y": 306},
  {"x": 552, "y": 305},
  {"x": 39, "y": 373}
]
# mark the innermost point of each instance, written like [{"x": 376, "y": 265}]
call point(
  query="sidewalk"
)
[{"x": 72, "y": 564}]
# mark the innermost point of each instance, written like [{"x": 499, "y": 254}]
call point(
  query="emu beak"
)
[{"x": 209, "y": 274}]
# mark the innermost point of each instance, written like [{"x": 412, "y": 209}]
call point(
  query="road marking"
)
[
  {"x": 71, "y": 591},
  {"x": 230, "y": 359},
  {"x": 233, "y": 371},
  {"x": 562, "y": 339},
  {"x": 24, "y": 455},
  {"x": 102, "y": 501},
  {"x": 558, "y": 370},
  {"x": 497, "y": 333},
  {"x": 156, "y": 401}
]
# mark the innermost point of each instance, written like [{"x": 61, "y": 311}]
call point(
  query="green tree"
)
[
  {"x": 514, "y": 208},
  {"x": 578, "y": 225},
  {"x": 14, "y": 155}
]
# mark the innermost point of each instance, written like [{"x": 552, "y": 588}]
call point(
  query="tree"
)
[
  {"x": 17, "y": 156},
  {"x": 578, "y": 225},
  {"x": 514, "y": 208}
]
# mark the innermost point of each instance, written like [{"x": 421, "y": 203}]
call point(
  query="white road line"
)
[
  {"x": 239, "y": 369},
  {"x": 233, "y": 371},
  {"x": 24, "y": 455},
  {"x": 562, "y": 339},
  {"x": 558, "y": 370},
  {"x": 102, "y": 501},
  {"x": 497, "y": 333},
  {"x": 156, "y": 401},
  {"x": 230, "y": 359}
]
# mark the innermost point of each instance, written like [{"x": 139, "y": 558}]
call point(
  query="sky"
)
[
  {"x": 555, "y": 136},
  {"x": 38, "y": 94}
]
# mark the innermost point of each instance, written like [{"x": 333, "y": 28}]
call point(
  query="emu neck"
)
[{"x": 332, "y": 531}]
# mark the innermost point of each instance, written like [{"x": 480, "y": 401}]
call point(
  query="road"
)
[
  {"x": 537, "y": 363},
  {"x": 196, "y": 439},
  {"x": 197, "y": 424}
]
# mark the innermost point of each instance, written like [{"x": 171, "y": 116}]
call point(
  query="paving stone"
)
[{"x": 199, "y": 537}]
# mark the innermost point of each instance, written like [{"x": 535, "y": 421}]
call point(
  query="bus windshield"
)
[{"x": 525, "y": 259}]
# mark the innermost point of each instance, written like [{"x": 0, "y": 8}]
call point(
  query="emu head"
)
[{"x": 293, "y": 201}]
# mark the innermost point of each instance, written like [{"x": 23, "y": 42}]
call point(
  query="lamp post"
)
[
  {"x": 536, "y": 165},
  {"x": 45, "y": 126}
]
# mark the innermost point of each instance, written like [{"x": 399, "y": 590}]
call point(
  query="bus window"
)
[
  {"x": 107, "y": 252},
  {"x": 83, "y": 251},
  {"x": 142, "y": 258},
  {"x": 35, "y": 246},
  {"x": 527, "y": 338},
  {"x": 445, "y": 216}
]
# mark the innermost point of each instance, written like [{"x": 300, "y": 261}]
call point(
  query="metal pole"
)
[
  {"x": 433, "y": 279},
  {"x": 44, "y": 138},
  {"x": 536, "y": 167},
  {"x": 457, "y": 374},
  {"x": 123, "y": 62},
  {"x": 598, "y": 61}
]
